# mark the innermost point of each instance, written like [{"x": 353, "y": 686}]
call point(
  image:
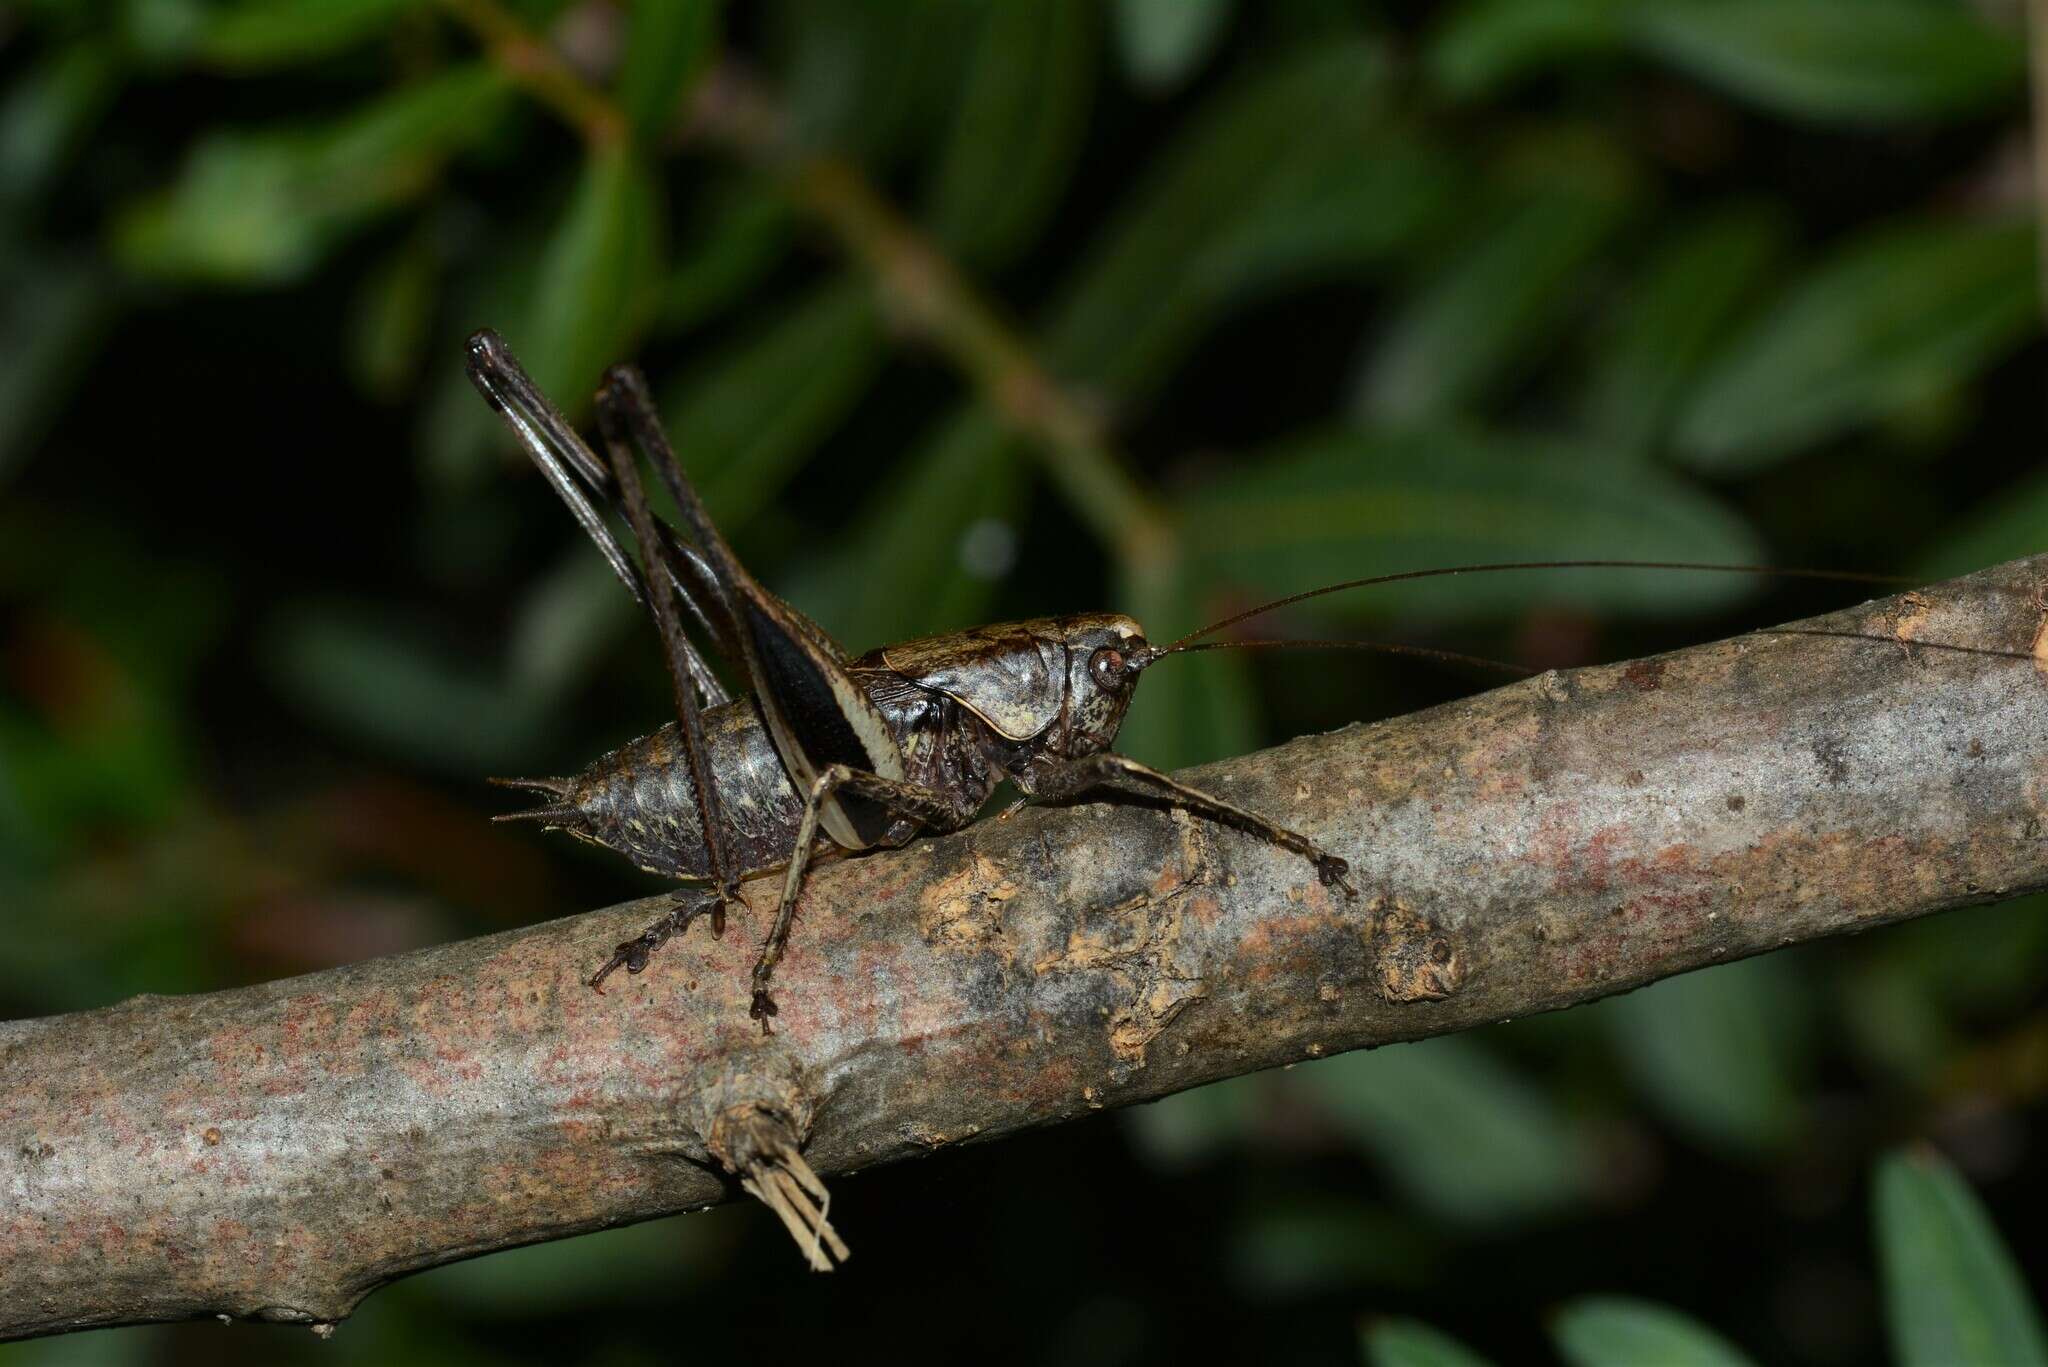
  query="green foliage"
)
[
  {"x": 257, "y": 34},
  {"x": 1409, "y": 1343},
  {"x": 1023, "y": 110},
  {"x": 1495, "y": 303},
  {"x": 1952, "y": 1293},
  {"x": 1720, "y": 1053},
  {"x": 936, "y": 539},
  {"x": 1350, "y": 504},
  {"x": 1677, "y": 309},
  {"x": 667, "y": 48},
  {"x": 1848, "y": 61},
  {"x": 1456, "y": 1129},
  {"x": 592, "y": 299},
  {"x": 1903, "y": 311},
  {"x": 1178, "y": 248},
  {"x": 1163, "y": 42},
  {"x": 1825, "y": 59},
  {"x": 750, "y": 419},
  {"x": 1329, "y": 289},
  {"x": 1614, "y": 1331},
  {"x": 264, "y": 207}
]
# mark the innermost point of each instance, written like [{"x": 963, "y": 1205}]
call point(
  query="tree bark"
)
[{"x": 279, "y": 1151}]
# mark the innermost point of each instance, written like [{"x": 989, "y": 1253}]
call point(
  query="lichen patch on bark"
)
[
  {"x": 963, "y": 911},
  {"x": 1417, "y": 961},
  {"x": 1147, "y": 946}
]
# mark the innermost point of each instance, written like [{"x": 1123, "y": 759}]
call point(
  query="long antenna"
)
[
  {"x": 1380, "y": 647},
  {"x": 1908, "y": 643},
  {"x": 1524, "y": 671},
  {"x": 1763, "y": 571}
]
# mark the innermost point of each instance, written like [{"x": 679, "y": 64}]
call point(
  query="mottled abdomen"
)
[{"x": 639, "y": 799}]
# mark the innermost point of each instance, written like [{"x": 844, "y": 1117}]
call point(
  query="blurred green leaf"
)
[
  {"x": 1719, "y": 1052},
  {"x": 1175, "y": 253},
  {"x": 1411, "y": 1343},
  {"x": 870, "y": 81},
  {"x": 158, "y": 616},
  {"x": 1023, "y": 109},
  {"x": 161, "y": 32},
  {"x": 1465, "y": 1136},
  {"x": 489, "y": 282},
  {"x": 1619, "y": 1331},
  {"x": 1489, "y": 310},
  {"x": 403, "y": 690},
  {"x": 95, "y": 733},
  {"x": 137, "y": 1347},
  {"x": 749, "y": 231},
  {"x": 1322, "y": 214},
  {"x": 391, "y": 316},
  {"x": 1486, "y": 45},
  {"x": 1825, "y": 60},
  {"x": 590, "y": 1270},
  {"x": 1201, "y": 710},
  {"x": 2011, "y": 523},
  {"x": 1898, "y": 312},
  {"x": 1290, "y": 1248},
  {"x": 667, "y": 45},
  {"x": 53, "y": 311},
  {"x": 1681, "y": 306},
  {"x": 124, "y": 766},
  {"x": 746, "y": 424},
  {"x": 258, "y": 34},
  {"x": 263, "y": 207},
  {"x": 1952, "y": 1292},
  {"x": 1894, "y": 1024},
  {"x": 1179, "y": 1131},
  {"x": 44, "y": 118},
  {"x": 1851, "y": 60},
  {"x": 1346, "y": 505},
  {"x": 565, "y": 624},
  {"x": 929, "y": 550},
  {"x": 593, "y": 290},
  {"x": 1163, "y": 42},
  {"x": 1912, "y": 997}
]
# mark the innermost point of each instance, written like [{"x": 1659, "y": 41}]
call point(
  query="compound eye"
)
[{"x": 1107, "y": 665}]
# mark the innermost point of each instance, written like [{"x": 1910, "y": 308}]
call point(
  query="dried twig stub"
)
[{"x": 757, "y": 1145}]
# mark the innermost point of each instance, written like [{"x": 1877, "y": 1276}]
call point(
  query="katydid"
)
[{"x": 832, "y": 751}]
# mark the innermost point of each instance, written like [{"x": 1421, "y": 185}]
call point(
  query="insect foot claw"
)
[
  {"x": 632, "y": 955},
  {"x": 1332, "y": 870}
]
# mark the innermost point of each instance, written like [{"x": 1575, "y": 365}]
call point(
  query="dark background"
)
[{"x": 1352, "y": 287}]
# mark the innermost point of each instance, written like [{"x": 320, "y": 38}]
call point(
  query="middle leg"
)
[
  {"x": 632, "y": 955},
  {"x": 927, "y": 807}
]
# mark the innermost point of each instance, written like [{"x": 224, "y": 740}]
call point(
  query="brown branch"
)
[
  {"x": 530, "y": 63},
  {"x": 279, "y": 1151}
]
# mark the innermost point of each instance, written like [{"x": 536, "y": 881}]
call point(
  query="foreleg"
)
[{"x": 1058, "y": 781}]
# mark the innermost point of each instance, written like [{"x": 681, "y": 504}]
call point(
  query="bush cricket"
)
[
  {"x": 829, "y": 751},
  {"x": 860, "y": 752}
]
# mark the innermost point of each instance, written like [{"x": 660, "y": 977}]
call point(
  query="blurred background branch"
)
[
  {"x": 923, "y": 289},
  {"x": 970, "y": 312}
]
